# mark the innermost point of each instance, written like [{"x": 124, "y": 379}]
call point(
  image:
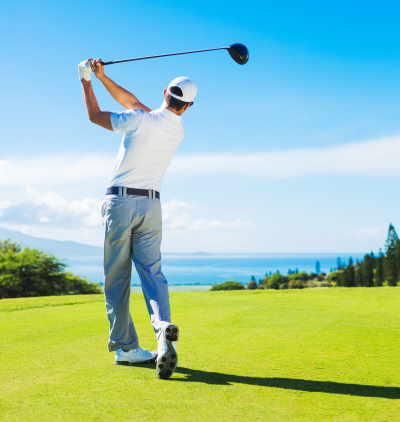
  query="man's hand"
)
[
  {"x": 98, "y": 68},
  {"x": 85, "y": 69}
]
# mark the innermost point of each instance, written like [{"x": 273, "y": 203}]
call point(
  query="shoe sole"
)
[
  {"x": 126, "y": 363},
  {"x": 167, "y": 362}
]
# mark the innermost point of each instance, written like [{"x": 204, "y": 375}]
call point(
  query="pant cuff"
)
[{"x": 115, "y": 346}]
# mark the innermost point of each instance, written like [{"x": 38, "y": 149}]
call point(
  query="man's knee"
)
[{"x": 150, "y": 267}]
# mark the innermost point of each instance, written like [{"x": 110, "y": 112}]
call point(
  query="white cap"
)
[{"x": 188, "y": 88}]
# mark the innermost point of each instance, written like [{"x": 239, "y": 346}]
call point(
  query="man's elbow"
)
[
  {"x": 102, "y": 119},
  {"x": 94, "y": 118}
]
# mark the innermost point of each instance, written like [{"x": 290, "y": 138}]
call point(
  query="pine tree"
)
[
  {"x": 368, "y": 271},
  {"x": 397, "y": 257},
  {"x": 349, "y": 274},
  {"x": 358, "y": 277},
  {"x": 317, "y": 268},
  {"x": 339, "y": 263},
  {"x": 392, "y": 238},
  {"x": 391, "y": 263},
  {"x": 379, "y": 276}
]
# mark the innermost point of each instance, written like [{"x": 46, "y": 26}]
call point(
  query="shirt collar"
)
[{"x": 163, "y": 109}]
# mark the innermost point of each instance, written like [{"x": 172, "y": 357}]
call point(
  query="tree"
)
[
  {"x": 336, "y": 277},
  {"x": 391, "y": 268},
  {"x": 30, "y": 272},
  {"x": 392, "y": 261},
  {"x": 252, "y": 284},
  {"x": 392, "y": 238},
  {"x": 349, "y": 274},
  {"x": 379, "y": 275},
  {"x": 317, "y": 267},
  {"x": 368, "y": 270},
  {"x": 358, "y": 274},
  {"x": 9, "y": 246},
  {"x": 339, "y": 263}
]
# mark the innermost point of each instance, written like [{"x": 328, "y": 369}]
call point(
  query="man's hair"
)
[{"x": 174, "y": 102}]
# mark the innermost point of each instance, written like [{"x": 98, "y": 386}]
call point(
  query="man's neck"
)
[{"x": 178, "y": 113}]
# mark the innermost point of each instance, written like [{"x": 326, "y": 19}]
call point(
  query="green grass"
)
[{"x": 312, "y": 355}]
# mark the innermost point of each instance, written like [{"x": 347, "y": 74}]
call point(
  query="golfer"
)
[{"x": 131, "y": 211}]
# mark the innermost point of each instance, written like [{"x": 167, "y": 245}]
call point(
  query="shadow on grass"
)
[{"x": 218, "y": 378}]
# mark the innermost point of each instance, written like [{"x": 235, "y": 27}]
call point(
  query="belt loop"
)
[
  {"x": 119, "y": 191},
  {"x": 124, "y": 190}
]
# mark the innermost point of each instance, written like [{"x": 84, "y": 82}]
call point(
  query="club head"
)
[{"x": 239, "y": 53}]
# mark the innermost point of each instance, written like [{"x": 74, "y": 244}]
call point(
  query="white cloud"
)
[
  {"x": 375, "y": 157},
  {"x": 45, "y": 210},
  {"x": 374, "y": 233},
  {"x": 4, "y": 205},
  {"x": 178, "y": 215},
  {"x": 54, "y": 170},
  {"x": 50, "y": 209}
]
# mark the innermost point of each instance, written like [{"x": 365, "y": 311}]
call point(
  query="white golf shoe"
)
[
  {"x": 167, "y": 357},
  {"x": 133, "y": 356}
]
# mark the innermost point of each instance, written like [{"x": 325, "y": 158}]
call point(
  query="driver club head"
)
[{"x": 239, "y": 53}]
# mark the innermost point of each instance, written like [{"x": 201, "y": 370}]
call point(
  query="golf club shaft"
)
[{"x": 163, "y": 55}]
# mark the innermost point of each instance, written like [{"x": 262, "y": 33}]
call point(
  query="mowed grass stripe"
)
[
  {"x": 23, "y": 304},
  {"x": 312, "y": 355}
]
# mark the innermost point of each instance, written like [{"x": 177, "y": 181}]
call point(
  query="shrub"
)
[
  {"x": 79, "y": 286},
  {"x": 335, "y": 277},
  {"x": 296, "y": 284},
  {"x": 252, "y": 285},
  {"x": 316, "y": 283},
  {"x": 303, "y": 276},
  {"x": 325, "y": 284},
  {"x": 228, "y": 285},
  {"x": 276, "y": 281}
]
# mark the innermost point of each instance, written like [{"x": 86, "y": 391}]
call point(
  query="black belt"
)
[{"x": 122, "y": 191}]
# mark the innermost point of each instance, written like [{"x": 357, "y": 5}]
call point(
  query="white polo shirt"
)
[{"x": 147, "y": 146}]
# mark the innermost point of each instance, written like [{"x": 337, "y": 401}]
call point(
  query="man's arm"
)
[
  {"x": 101, "y": 118},
  {"x": 121, "y": 95}
]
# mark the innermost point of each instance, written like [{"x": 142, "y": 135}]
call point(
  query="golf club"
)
[{"x": 237, "y": 51}]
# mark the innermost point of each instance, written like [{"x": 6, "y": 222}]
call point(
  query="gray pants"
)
[{"x": 132, "y": 233}]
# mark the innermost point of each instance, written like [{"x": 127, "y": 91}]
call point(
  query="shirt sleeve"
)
[{"x": 126, "y": 121}]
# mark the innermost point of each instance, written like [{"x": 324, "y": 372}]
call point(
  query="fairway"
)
[{"x": 311, "y": 355}]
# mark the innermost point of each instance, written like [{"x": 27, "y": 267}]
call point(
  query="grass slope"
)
[{"x": 311, "y": 355}]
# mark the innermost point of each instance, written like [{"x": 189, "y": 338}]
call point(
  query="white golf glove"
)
[{"x": 85, "y": 70}]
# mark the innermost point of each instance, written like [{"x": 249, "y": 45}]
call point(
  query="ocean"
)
[{"x": 205, "y": 269}]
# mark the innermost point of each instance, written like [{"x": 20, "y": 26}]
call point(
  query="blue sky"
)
[{"x": 294, "y": 152}]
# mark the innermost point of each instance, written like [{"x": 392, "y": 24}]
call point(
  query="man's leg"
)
[
  {"x": 147, "y": 259},
  {"x": 146, "y": 244},
  {"x": 117, "y": 270}
]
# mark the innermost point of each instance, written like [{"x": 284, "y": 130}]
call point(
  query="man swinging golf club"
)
[{"x": 132, "y": 212}]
